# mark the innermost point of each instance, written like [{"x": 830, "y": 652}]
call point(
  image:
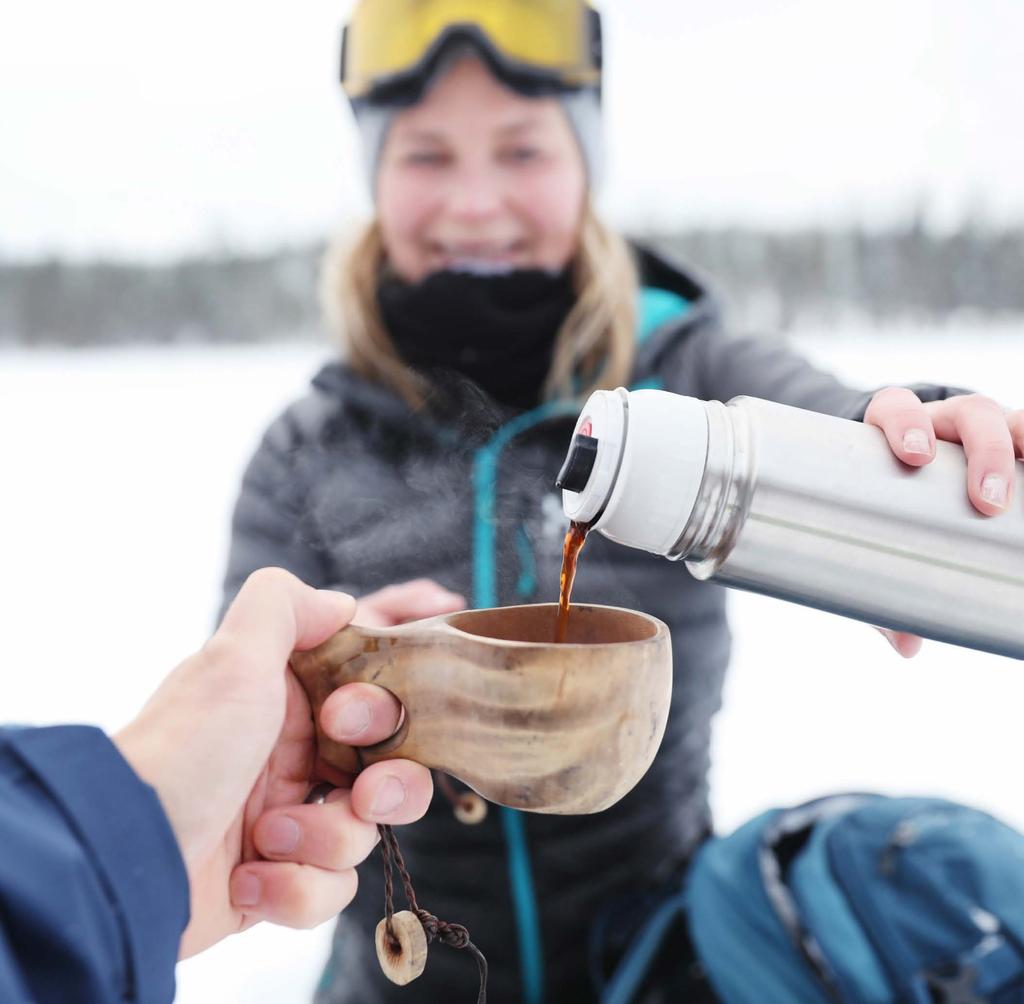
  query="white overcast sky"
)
[{"x": 135, "y": 129}]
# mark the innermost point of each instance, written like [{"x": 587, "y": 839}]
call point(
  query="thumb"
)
[{"x": 275, "y": 613}]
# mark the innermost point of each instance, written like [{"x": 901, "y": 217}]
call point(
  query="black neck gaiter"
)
[{"x": 497, "y": 330}]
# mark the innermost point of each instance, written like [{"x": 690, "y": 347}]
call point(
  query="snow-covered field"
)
[{"x": 119, "y": 470}]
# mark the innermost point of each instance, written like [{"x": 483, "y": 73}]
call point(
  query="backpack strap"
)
[{"x": 782, "y": 840}]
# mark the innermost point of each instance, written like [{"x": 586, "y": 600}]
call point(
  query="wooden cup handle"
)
[{"x": 357, "y": 655}]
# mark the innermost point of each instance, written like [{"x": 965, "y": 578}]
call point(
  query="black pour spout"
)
[{"x": 579, "y": 463}]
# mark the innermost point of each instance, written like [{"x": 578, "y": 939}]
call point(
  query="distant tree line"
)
[
  {"x": 854, "y": 276},
  {"x": 769, "y": 281},
  {"x": 218, "y": 299}
]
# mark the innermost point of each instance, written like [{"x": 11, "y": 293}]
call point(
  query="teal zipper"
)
[{"x": 485, "y": 594}]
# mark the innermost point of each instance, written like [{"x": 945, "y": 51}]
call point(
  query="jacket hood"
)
[{"x": 695, "y": 305}]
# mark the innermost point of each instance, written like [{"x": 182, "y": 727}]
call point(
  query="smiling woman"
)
[{"x": 479, "y": 179}]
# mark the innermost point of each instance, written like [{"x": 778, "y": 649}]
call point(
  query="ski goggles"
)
[{"x": 390, "y": 48}]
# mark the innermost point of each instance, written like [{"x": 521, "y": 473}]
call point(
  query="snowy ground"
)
[{"x": 119, "y": 470}]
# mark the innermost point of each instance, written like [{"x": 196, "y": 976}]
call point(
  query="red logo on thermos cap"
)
[{"x": 587, "y": 428}]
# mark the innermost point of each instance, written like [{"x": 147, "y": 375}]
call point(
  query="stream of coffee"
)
[{"x": 570, "y": 552}]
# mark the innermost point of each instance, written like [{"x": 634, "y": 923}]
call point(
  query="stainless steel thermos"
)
[{"x": 804, "y": 507}]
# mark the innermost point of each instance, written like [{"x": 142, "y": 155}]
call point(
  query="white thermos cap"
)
[{"x": 651, "y": 450}]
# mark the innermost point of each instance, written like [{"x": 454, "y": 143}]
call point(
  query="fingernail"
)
[
  {"x": 993, "y": 489},
  {"x": 390, "y": 795},
  {"x": 353, "y": 720},
  {"x": 916, "y": 441},
  {"x": 246, "y": 889},
  {"x": 280, "y": 835}
]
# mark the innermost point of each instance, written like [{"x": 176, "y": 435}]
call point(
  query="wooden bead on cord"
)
[
  {"x": 470, "y": 808},
  {"x": 402, "y": 951}
]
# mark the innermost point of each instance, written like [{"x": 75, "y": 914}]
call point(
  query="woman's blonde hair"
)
[{"x": 594, "y": 348}]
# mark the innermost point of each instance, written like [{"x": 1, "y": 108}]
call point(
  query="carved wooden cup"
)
[{"x": 491, "y": 700}]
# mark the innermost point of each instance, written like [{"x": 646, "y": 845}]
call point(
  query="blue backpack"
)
[{"x": 851, "y": 899}]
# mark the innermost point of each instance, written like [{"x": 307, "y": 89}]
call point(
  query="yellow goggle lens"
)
[{"x": 389, "y": 37}]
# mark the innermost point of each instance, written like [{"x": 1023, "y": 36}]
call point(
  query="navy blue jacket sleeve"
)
[{"x": 93, "y": 890}]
